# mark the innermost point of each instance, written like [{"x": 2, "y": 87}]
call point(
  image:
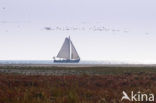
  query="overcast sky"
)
[{"x": 23, "y": 35}]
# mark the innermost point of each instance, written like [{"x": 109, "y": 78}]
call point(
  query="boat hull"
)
[{"x": 67, "y": 61}]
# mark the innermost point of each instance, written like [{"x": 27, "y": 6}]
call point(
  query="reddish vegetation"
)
[{"x": 72, "y": 89}]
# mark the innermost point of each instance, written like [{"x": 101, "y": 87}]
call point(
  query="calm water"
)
[{"x": 51, "y": 62}]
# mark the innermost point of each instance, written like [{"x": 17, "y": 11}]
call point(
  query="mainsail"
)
[
  {"x": 68, "y": 50},
  {"x": 65, "y": 50}
]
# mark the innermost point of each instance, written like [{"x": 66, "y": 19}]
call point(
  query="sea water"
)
[{"x": 51, "y": 62}]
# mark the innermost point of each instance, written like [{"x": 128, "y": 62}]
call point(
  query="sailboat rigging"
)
[{"x": 68, "y": 53}]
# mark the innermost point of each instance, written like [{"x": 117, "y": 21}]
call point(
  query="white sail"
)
[
  {"x": 68, "y": 51},
  {"x": 74, "y": 54},
  {"x": 65, "y": 50}
]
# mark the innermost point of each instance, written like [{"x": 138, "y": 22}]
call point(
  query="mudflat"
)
[{"x": 75, "y": 69}]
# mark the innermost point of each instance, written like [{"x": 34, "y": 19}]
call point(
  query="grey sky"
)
[
  {"x": 117, "y": 11},
  {"x": 22, "y": 34}
]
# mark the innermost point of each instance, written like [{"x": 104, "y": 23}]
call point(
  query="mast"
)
[{"x": 70, "y": 50}]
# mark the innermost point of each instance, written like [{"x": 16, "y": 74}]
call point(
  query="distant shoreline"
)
[
  {"x": 77, "y": 65},
  {"x": 82, "y": 63}
]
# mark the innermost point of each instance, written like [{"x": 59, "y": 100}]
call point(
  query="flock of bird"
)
[
  {"x": 91, "y": 28},
  {"x": 73, "y": 28}
]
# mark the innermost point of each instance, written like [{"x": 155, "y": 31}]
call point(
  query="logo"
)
[{"x": 138, "y": 97}]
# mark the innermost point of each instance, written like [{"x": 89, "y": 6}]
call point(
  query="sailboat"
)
[{"x": 68, "y": 53}]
